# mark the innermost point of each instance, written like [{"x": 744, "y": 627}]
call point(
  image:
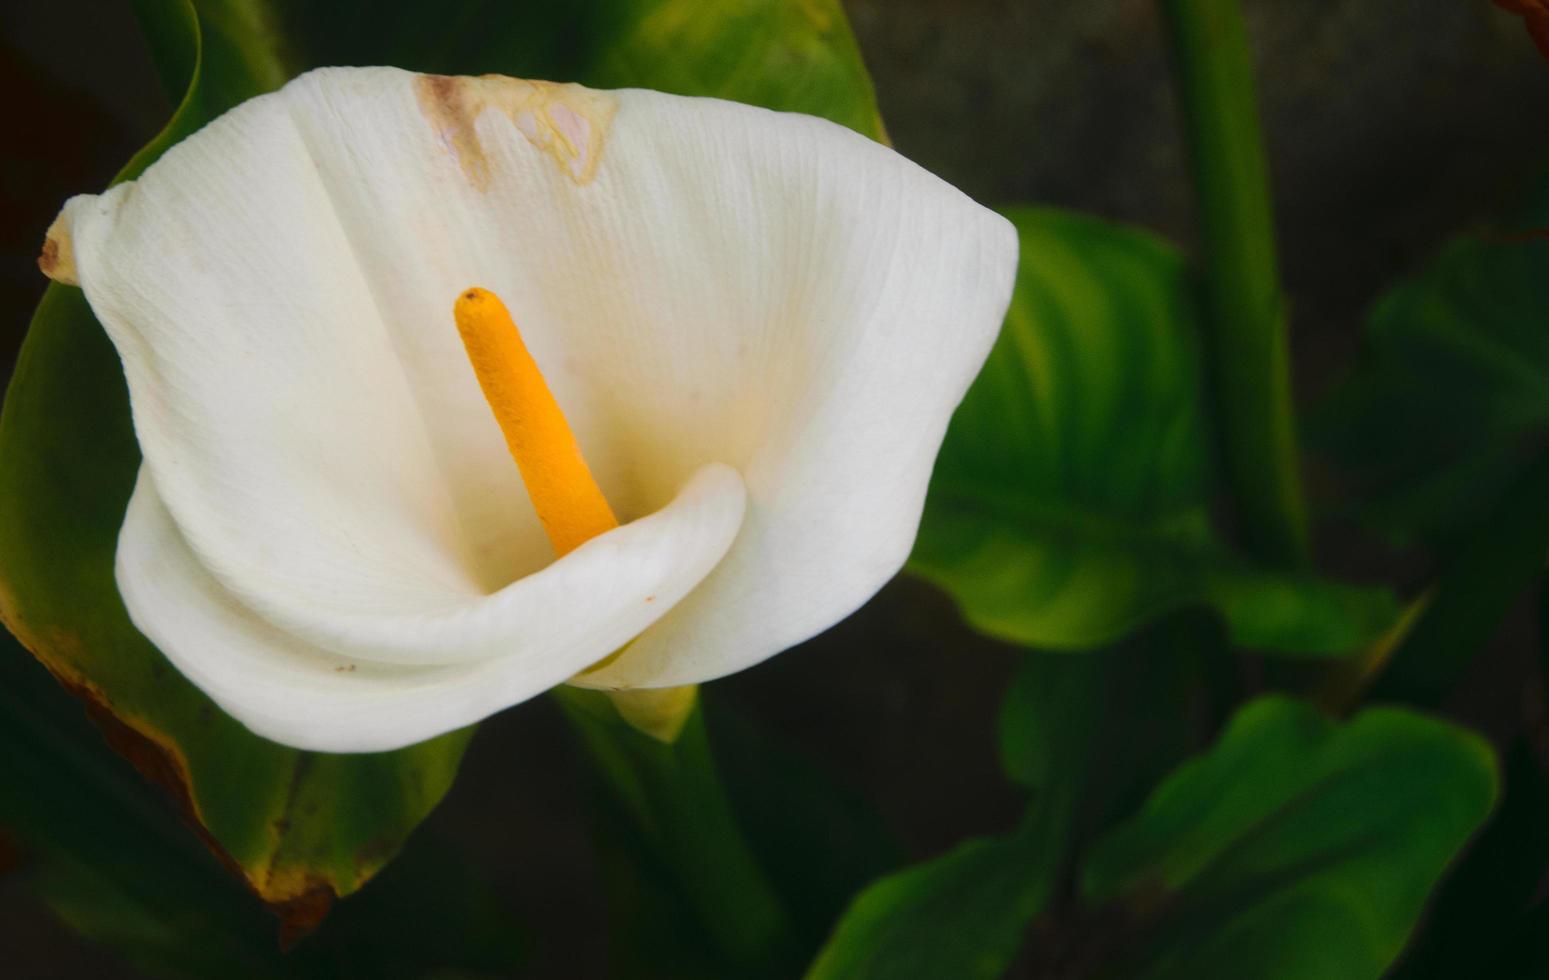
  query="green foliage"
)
[
  {"x": 1296, "y": 847},
  {"x": 1086, "y": 734},
  {"x": 1479, "y": 584},
  {"x": 1454, "y": 385},
  {"x": 1069, "y": 504},
  {"x": 106, "y": 853},
  {"x": 1487, "y": 917},
  {"x": 963, "y": 914}
]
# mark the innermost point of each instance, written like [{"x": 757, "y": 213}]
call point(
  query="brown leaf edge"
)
[
  {"x": 300, "y": 903},
  {"x": 1535, "y": 15}
]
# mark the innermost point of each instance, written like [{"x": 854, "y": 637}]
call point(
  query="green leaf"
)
[
  {"x": 963, "y": 915},
  {"x": 1296, "y": 847},
  {"x": 106, "y": 854},
  {"x": 1069, "y": 503},
  {"x": 1454, "y": 384},
  {"x": 302, "y": 827},
  {"x": 1488, "y": 902}
]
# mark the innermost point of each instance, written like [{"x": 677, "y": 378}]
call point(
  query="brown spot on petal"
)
[
  {"x": 568, "y": 122},
  {"x": 57, "y": 260}
]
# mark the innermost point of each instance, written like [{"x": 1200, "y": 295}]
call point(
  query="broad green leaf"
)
[
  {"x": 1069, "y": 503},
  {"x": 962, "y": 915},
  {"x": 1490, "y": 901},
  {"x": 106, "y": 854},
  {"x": 302, "y": 827},
  {"x": 1454, "y": 384},
  {"x": 1296, "y": 847}
]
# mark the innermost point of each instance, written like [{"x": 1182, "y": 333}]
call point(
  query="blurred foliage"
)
[
  {"x": 1477, "y": 586},
  {"x": 1070, "y": 501},
  {"x": 802, "y": 845},
  {"x": 1295, "y": 847},
  {"x": 1086, "y": 734},
  {"x": 109, "y": 856},
  {"x": 1489, "y": 917},
  {"x": 1452, "y": 395},
  {"x": 963, "y": 914}
]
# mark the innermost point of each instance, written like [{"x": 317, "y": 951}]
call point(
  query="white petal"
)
[
  {"x": 701, "y": 281},
  {"x": 553, "y": 623}
]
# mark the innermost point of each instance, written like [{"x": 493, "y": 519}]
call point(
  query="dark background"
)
[{"x": 1390, "y": 126}]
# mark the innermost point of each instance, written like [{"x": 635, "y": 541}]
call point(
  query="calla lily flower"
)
[{"x": 756, "y": 325}]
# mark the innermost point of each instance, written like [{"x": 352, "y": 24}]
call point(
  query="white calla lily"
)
[{"x": 756, "y": 323}]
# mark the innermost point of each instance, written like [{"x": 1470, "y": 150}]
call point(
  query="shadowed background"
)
[{"x": 1388, "y": 129}]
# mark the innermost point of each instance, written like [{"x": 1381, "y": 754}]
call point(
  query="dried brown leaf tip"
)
[
  {"x": 57, "y": 260},
  {"x": 1534, "y": 14}
]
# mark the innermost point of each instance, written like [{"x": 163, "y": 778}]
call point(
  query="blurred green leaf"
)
[
  {"x": 962, "y": 915},
  {"x": 1069, "y": 503},
  {"x": 106, "y": 853},
  {"x": 1296, "y": 847},
  {"x": 1490, "y": 901},
  {"x": 1453, "y": 390},
  {"x": 1479, "y": 584}
]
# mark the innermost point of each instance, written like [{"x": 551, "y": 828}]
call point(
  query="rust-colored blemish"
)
[
  {"x": 57, "y": 260},
  {"x": 12, "y": 857},
  {"x": 567, "y": 122},
  {"x": 1535, "y": 15},
  {"x": 303, "y": 913}
]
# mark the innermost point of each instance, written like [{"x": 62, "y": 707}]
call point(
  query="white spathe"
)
[{"x": 758, "y": 324}]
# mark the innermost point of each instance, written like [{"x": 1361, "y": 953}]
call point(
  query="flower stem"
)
[
  {"x": 1246, "y": 348},
  {"x": 673, "y": 794}
]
